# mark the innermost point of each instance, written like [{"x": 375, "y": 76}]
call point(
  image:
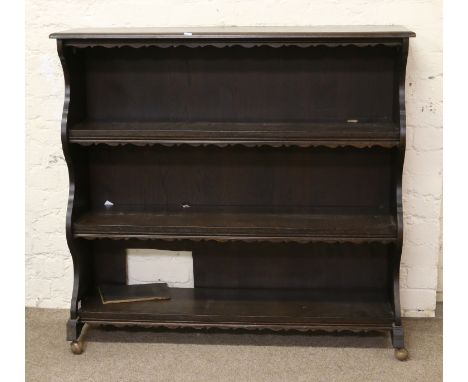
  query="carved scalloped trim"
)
[
  {"x": 224, "y": 239},
  {"x": 225, "y": 44},
  {"x": 305, "y": 144},
  {"x": 242, "y": 327}
]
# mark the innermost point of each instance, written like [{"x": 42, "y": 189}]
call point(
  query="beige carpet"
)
[{"x": 151, "y": 355}]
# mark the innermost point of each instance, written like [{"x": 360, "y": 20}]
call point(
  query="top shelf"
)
[
  {"x": 229, "y": 32},
  {"x": 303, "y": 134}
]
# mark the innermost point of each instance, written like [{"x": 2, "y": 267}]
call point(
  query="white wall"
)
[{"x": 48, "y": 263}]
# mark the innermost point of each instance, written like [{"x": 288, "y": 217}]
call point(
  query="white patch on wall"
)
[
  {"x": 46, "y": 66},
  {"x": 146, "y": 266}
]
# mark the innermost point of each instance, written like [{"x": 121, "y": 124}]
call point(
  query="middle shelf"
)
[
  {"x": 222, "y": 226},
  {"x": 302, "y": 134}
]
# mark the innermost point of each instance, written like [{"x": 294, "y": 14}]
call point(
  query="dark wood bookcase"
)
[{"x": 275, "y": 155}]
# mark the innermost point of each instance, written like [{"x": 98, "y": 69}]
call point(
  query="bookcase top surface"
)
[{"x": 230, "y": 32}]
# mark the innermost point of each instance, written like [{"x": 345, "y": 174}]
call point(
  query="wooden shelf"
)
[
  {"x": 241, "y": 308},
  {"x": 236, "y": 33},
  {"x": 302, "y": 134},
  {"x": 222, "y": 226},
  {"x": 285, "y": 238}
]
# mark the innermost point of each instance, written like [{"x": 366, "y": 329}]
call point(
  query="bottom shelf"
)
[{"x": 275, "y": 309}]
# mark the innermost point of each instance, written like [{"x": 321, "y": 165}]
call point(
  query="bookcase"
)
[{"x": 273, "y": 154}]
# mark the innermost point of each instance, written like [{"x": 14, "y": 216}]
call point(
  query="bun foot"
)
[
  {"x": 76, "y": 347},
  {"x": 401, "y": 354}
]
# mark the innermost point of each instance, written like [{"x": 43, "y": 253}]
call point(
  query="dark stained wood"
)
[
  {"x": 232, "y": 133},
  {"x": 241, "y": 226},
  {"x": 285, "y": 85},
  {"x": 240, "y": 180},
  {"x": 77, "y": 197},
  {"x": 292, "y": 266},
  {"x": 109, "y": 262},
  {"x": 397, "y": 334},
  {"x": 274, "y": 154},
  {"x": 264, "y": 32},
  {"x": 217, "y": 307}
]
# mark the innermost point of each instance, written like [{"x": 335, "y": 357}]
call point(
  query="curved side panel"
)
[
  {"x": 399, "y": 174},
  {"x": 71, "y": 176}
]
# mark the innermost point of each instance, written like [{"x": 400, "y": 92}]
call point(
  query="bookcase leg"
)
[
  {"x": 398, "y": 342},
  {"x": 74, "y": 329}
]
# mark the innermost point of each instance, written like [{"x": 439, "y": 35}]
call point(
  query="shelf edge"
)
[
  {"x": 225, "y": 143},
  {"x": 385, "y": 325},
  {"x": 273, "y": 239}
]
